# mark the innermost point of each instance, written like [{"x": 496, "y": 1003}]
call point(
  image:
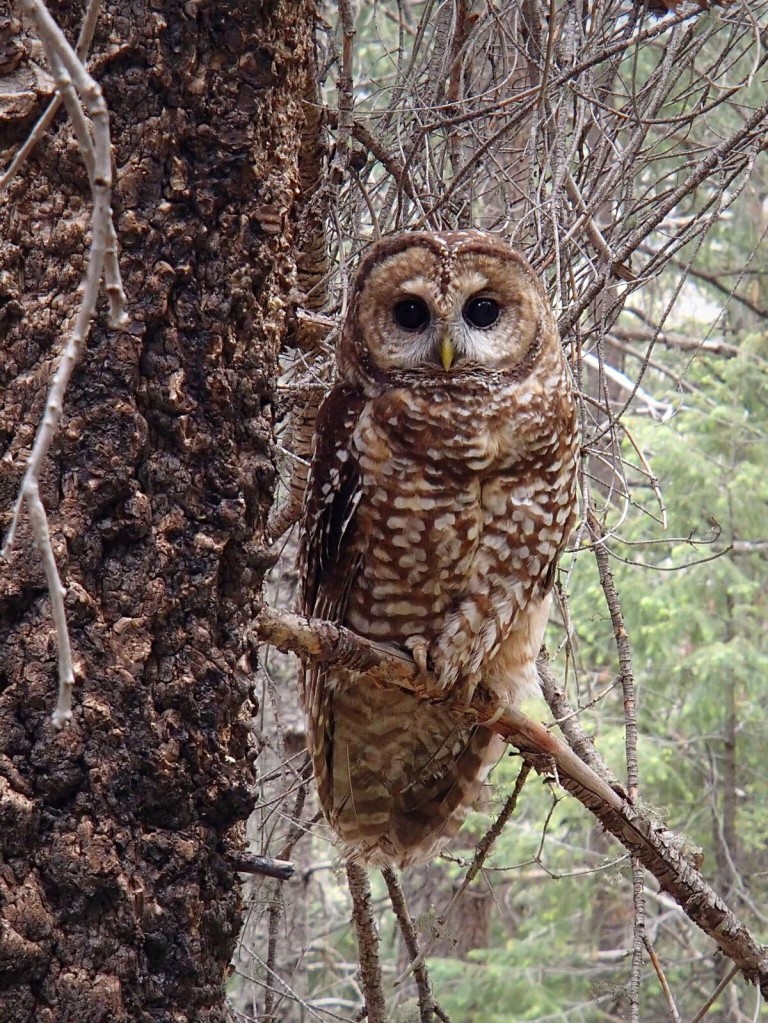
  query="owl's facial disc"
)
[{"x": 429, "y": 309}]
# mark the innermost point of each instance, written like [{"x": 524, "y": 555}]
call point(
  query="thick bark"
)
[{"x": 117, "y": 900}]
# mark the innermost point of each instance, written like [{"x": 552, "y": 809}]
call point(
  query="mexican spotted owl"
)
[{"x": 441, "y": 493}]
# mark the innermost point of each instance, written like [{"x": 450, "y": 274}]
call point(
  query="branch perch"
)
[{"x": 659, "y": 850}]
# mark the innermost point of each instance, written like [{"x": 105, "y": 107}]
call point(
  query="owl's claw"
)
[
  {"x": 499, "y": 713},
  {"x": 470, "y": 685},
  {"x": 418, "y": 648},
  {"x": 434, "y": 684},
  {"x": 428, "y": 683}
]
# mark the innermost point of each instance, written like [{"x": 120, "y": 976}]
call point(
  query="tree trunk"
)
[{"x": 117, "y": 901}]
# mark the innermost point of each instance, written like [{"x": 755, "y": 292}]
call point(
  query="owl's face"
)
[{"x": 444, "y": 304}]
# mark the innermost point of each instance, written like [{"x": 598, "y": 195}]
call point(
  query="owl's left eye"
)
[
  {"x": 411, "y": 314},
  {"x": 481, "y": 312}
]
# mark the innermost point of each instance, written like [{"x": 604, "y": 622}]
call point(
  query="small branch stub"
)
[{"x": 247, "y": 863}]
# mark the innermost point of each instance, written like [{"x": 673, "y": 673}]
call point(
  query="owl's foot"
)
[{"x": 428, "y": 684}]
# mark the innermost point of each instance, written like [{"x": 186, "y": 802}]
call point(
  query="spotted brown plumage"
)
[{"x": 441, "y": 493}]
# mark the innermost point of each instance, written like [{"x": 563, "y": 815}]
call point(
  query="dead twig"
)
[
  {"x": 367, "y": 943},
  {"x": 482, "y": 850},
  {"x": 674, "y": 1015},
  {"x": 411, "y": 939}
]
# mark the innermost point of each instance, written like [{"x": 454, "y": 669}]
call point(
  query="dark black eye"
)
[
  {"x": 481, "y": 312},
  {"x": 411, "y": 314}
]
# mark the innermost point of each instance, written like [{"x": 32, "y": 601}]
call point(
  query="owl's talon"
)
[
  {"x": 419, "y": 651},
  {"x": 496, "y": 716},
  {"x": 427, "y": 683},
  {"x": 470, "y": 687}
]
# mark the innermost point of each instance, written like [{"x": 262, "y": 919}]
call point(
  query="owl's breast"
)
[
  {"x": 419, "y": 524},
  {"x": 452, "y": 505}
]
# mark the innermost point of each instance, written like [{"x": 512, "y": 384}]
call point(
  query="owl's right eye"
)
[{"x": 411, "y": 314}]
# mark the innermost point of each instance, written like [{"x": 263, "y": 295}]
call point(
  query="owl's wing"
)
[
  {"x": 330, "y": 552},
  {"x": 329, "y": 555}
]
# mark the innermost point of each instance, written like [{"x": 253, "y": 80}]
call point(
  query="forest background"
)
[{"x": 622, "y": 150}]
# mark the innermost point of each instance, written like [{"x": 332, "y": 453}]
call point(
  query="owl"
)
[{"x": 441, "y": 492}]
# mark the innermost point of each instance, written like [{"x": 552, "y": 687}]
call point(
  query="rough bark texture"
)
[{"x": 117, "y": 901}]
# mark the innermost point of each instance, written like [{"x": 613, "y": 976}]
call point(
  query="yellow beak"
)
[{"x": 447, "y": 352}]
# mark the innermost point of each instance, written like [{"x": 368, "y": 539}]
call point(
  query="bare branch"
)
[
  {"x": 84, "y": 40},
  {"x": 674, "y": 1015},
  {"x": 623, "y": 651},
  {"x": 482, "y": 850},
  {"x": 411, "y": 939},
  {"x": 367, "y": 942},
  {"x": 673, "y": 340}
]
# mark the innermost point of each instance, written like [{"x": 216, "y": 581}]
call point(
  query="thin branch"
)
[
  {"x": 410, "y": 937},
  {"x": 749, "y": 132},
  {"x": 346, "y": 93},
  {"x": 638, "y": 939},
  {"x": 274, "y": 914},
  {"x": 566, "y": 718},
  {"x": 84, "y": 41},
  {"x": 678, "y": 341},
  {"x": 367, "y": 943},
  {"x": 715, "y": 995},
  {"x": 379, "y": 152},
  {"x": 623, "y": 651},
  {"x": 674, "y": 1015},
  {"x": 482, "y": 850},
  {"x": 714, "y": 281}
]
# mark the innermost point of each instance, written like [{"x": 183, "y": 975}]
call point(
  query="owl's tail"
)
[{"x": 397, "y": 776}]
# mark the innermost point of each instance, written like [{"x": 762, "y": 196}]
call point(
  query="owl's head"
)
[{"x": 442, "y": 305}]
